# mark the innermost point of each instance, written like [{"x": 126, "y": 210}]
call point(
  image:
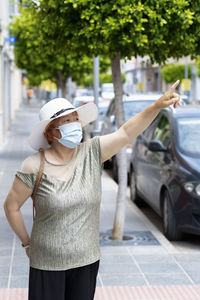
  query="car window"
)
[
  {"x": 148, "y": 133},
  {"x": 110, "y": 109},
  {"x": 102, "y": 112},
  {"x": 188, "y": 135},
  {"x": 162, "y": 131},
  {"x": 132, "y": 108}
]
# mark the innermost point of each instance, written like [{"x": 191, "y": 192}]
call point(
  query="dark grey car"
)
[{"x": 165, "y": 169}]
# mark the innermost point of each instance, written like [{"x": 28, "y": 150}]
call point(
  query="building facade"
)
[{"x": 10, "y": 76}]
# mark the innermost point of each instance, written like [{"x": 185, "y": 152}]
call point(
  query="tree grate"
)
[{"x": 131, "y": 238}]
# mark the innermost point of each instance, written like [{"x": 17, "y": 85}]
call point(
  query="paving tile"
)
[
  {"x": 188, "y": 258},
  {"x": 110, "y": 258},
  {"x": 118, "y": 268},
  {"x": 121, "y": 280},
  {"x": 5, "y": 252},
  {"x": 160, "y": 268},
  {"x": 3, "y": 282},
  {"x": 153, "y": 250},
  {"x": 190, "y": 266},
  {"x": 98, "y": 282},
  {"x": 164, "y": 258},
  {"x": 20, "y": 267},
  {"x": 113, "y": 250},
  {"x": 194, "y": 275},
  {"x": 168, "y": 279},
  {"x": 19, "y": 282},
  {"x": 4, "y": 270},
  {"x": 6, "y": 243},
  {"x": 19, "y": 251},
  {"x": 5, "y": 261}
]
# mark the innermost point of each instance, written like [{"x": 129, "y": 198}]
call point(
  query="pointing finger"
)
[{"x": 172, "y": 88}]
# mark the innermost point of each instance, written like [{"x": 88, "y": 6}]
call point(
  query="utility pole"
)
[
  {"x": 96, "y": 90},
  {"x": 159, "y": 82}
]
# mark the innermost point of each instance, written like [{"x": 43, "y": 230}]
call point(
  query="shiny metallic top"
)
[{"x": 65, "y": 232}]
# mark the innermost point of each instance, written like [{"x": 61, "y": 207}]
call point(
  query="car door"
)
[
  {"x": 139, "y": 157},
  {"x": 158, "y": 163}
]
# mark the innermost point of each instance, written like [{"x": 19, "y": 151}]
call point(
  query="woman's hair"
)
[{"x": 48, "y": 131}]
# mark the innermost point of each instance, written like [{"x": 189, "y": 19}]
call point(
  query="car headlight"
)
[
  {"x": 192, "y": 187},
  {"x": 197, "y": 189},
  {"x": 189, "y": 186}
]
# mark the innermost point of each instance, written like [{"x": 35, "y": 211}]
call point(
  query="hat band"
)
[{"x": 60, "y": 112}]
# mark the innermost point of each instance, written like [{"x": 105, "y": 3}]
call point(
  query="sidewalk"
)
[{"x": 147, "y": 267}]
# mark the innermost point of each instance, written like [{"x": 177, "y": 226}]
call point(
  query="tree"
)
[
  {"x": 198, "y": 67},
  {"x": 88, "y": 80},
  {"x": 171, "y": 73},
  {"x": 119, "y": 29},
  {"x": 40, "y": 56}
]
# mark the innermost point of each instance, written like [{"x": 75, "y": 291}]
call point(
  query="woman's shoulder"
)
[
  {"x": 31, "y": 163},
  {"x": 92, "y": 146},
  {"x": 90, "y": 143}
]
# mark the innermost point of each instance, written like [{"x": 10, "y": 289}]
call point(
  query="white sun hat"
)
[{"x": 56, "y": 108}]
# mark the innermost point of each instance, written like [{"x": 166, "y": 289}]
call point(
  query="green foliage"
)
[
  {"x": 62, "y": 36},
  {"x": 171, "y": 73},
  {"x": 88, "y": 80},
  {"x": 198, "y": 66},
  {"x": 160, "y": 29},
  {"x": 39, "y": 54}
]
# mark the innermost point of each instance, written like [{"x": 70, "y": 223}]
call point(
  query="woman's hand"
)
[
  {"x": 27, "y": 251},
  {"x": 169, "y": 97}
]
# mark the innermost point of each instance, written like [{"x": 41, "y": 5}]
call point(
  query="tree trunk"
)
[
  {"x": 57, "y": 90},
  {"x": 64, "y": 87},
  {"x": 118, "y": 226},
  {"x": 61, "y": 83}
]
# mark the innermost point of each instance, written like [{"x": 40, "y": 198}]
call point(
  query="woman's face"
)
[{"x": 73, "y": 117}]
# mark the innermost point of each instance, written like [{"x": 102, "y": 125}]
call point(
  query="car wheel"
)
[
  {"x": 115, "y": 170},
  {"x": 133, "y": 191},
  {"x": 169, "y": 221}
]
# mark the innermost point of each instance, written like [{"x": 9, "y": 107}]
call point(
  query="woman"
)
[{"x": 63, "y": 249}]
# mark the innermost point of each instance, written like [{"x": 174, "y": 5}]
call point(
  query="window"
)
[{"x": 162, "y": 131}]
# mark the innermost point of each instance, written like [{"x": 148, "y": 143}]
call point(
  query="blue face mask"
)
[{"x": 71, "y": 134}]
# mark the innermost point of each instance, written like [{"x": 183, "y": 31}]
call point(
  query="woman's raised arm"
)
[{"x": 112, "y": 143}]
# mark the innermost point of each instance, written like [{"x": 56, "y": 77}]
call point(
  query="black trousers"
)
[{"x": 73, "y": 284}]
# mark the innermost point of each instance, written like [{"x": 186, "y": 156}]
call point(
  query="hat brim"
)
[{"x": 87, "y": 113}]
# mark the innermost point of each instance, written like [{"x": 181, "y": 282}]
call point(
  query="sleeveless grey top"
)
[{"x": 65, "y": 232}]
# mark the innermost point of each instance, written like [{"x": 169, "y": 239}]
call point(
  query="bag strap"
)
[{"x": 38, "y": 178}]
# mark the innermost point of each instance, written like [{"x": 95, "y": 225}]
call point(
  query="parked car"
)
[
  {"x": 82, "y": 92},
  {"x": 102, "y": 108},
  {"x": 132, "y": 106},
  {"x": 107, "y": 91},
  {"x": 80, "y": 100},
  {"x": 165, "y": 169}
]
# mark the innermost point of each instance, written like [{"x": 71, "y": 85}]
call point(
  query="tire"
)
[
  {"x": 133, "y": 191},
  {"x": 170, "y": 229}
]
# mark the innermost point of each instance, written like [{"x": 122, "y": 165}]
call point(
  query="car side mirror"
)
[
  {"x": 156, "y": 145},
  {"x": 112, "y": 119}
]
